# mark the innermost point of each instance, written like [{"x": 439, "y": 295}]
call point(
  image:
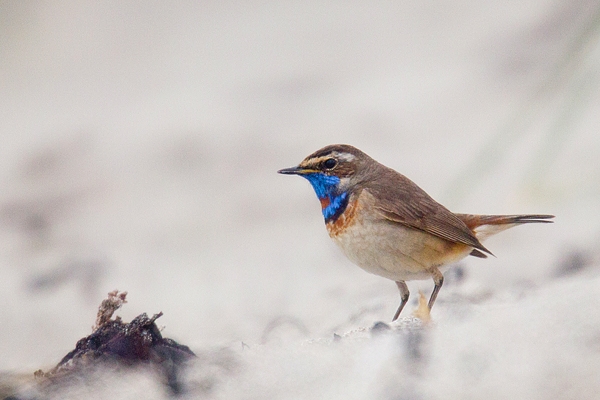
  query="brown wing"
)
[{"x": 401, "y": 201}]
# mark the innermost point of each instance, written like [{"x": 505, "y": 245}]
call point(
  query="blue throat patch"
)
[{"x": 326, "y": 187}]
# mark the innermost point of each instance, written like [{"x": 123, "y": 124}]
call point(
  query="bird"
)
[{"x": 387, "y": 225}]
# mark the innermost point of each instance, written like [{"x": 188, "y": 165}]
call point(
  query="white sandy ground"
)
[{"x": 138, "y": 152}]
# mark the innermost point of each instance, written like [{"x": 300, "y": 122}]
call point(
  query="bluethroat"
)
[{"x": 388, "y": 225}]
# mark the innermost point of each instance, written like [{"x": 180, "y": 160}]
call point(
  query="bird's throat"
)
[
  {"x": 333, "y": 207},
  {"x": 333, "y": 202}
]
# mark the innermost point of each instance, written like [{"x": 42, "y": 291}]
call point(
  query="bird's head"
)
[{"x": 334, "y": 171}]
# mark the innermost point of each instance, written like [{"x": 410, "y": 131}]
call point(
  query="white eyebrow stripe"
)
[{"x": 344, "y": 156}]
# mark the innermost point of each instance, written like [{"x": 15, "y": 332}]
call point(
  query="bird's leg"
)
[
  {"x": 404, "y": 293},
  {"x": 438, "y": 280}
]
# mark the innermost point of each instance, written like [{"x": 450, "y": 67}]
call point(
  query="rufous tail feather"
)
[{"x": 484, "y": 226}]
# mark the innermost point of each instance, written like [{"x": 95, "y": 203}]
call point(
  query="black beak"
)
[{"x": 292, "y": 171}]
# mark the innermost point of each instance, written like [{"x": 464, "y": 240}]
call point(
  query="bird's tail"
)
[{"x": 484, "y": 226}]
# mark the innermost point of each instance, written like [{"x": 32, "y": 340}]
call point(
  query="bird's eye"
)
[{"x": 330, "y": 163}]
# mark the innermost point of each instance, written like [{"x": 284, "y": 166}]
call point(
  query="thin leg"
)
[
  {"x": 404, "y": 293},
  {"x": 438, "y": 280}
]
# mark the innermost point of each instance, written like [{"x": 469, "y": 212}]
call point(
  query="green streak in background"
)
[{"x": 573, "y": 77}]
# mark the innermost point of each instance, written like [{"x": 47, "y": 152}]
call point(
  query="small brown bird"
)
[{"x": 389, "y": 226}]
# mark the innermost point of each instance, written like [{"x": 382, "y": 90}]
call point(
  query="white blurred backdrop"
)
[{"x": 140, "y": 143}]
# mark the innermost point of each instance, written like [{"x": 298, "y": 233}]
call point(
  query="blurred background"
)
[{"x": 140, "y": 143}]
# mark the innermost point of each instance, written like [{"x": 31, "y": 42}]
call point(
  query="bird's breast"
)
[{"x": 345, "y": 220}]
